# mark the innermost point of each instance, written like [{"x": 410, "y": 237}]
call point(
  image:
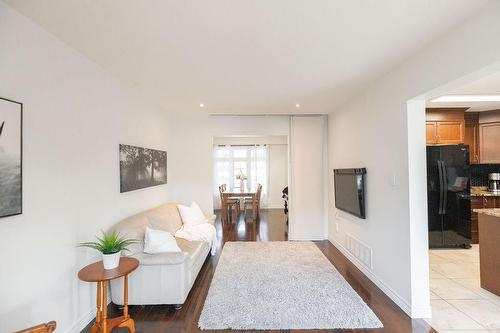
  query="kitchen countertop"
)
[
  {"x": 488, "y": 211},
  {"x": 482, "y": 191}
]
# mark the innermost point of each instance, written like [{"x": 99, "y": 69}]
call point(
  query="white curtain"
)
[{"x": 231, "y": 161}]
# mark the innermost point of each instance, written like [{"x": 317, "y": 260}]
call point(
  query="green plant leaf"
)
[{"x": 110, "y": 242}]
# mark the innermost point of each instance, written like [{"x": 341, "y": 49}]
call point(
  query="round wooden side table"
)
[{"x": 96, "y": 273}]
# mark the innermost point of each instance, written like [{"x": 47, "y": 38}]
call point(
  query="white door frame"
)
[{"x": 417, "y": 180}]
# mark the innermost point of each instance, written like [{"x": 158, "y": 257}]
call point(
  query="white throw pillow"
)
[
  {"x": 192, "y": 216},
  {"x": 159, "y": 241}
]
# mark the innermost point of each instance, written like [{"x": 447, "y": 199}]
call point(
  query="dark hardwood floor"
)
[{"x": 271, "y": 227}]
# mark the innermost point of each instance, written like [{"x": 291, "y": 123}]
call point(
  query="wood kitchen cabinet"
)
[
  {"x": 478, "y": 203},
  {"x": 450, "y": 132},
  {"x": 491, "y": 202},
  {"x": 475, "y": 203},
  {"x": 489, "y": 265},
  {"x": 479, "y": 130},
  {"x": 431, "y": 132},
  {"x": 490, "y": 142},
  {"x": 471, "y": 136},
  {"x": 489, "y": 136},
  {"x": 445, "y": 125}
]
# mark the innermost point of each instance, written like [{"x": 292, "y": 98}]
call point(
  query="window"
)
[{"x": 231, "y": 161}]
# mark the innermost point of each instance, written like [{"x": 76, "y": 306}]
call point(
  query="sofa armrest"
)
[{"x": 211, "y": 218}]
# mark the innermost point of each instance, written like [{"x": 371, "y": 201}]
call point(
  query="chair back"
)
[
  {"x": 222, "y": 189},
  {"x": 43, "y": 328},
  {"x": 259, "y": 192}
]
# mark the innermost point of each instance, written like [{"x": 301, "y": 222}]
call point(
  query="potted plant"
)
[
  {"x": 111, "y": 244},
  {"x": 241, "y": 177}
]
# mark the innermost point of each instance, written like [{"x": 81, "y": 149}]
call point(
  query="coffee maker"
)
[{"x": 494, "y": 182}]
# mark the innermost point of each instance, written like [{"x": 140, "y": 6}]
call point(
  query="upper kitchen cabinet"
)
[
  {"x": 445, "y": 125},
  {"x": 450, "y": 132},
  {"x": 489, "y": 136},
  {"x": 431, "y": 132},
  {"x": 471, "y": 136}
]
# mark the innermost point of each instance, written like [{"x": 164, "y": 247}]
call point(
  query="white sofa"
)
[{"x": 164, "y": 278}]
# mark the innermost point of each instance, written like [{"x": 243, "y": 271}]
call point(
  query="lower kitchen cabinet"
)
[{"x": 478, "y": 203}]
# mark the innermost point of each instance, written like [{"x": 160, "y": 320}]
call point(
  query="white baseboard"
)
[
  {"x": 274, "y": 206},
  {"x": 82, "y": 322},
  {"x": 394, "y": 296}
]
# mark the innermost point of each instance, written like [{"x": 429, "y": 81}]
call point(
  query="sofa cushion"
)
[
  {"x": 190, "y": 251},
  {"x": 133, "y": 227},
  {"x": 192, "y": 248},
  {"x": 167, "y": 258},
  {"x": 165, "y": 217},
  {"x": 159, "y": 241},
  {"x": 191, "y": 215}
]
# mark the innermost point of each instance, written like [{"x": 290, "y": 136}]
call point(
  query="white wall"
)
[
  {"x": 191, "y": 157},
  {"x": 307, "y": 218},
  {"x": 375, "y": 131},
  {"x": 278, "y": 175},
  {"x": 74, "y": 118}
]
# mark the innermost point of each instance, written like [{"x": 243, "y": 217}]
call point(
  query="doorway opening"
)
[
  {"x": 250, "y": 187},
  {"x": 462, "y": 155}
]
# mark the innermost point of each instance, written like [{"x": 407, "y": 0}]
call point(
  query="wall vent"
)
[{"x": 359, "y": 250}]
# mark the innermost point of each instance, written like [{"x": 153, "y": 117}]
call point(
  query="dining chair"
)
[
  {"x": 227, "y": 204},
  {"x": 249, "y": 202}
]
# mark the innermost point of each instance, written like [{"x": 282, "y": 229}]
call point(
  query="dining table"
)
[{"x": 240, "y": 193}]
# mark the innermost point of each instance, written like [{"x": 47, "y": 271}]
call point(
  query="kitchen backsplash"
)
[{"x": 479, "y": 173}]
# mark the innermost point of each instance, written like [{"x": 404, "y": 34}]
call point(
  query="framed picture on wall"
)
[
  {"x": 11, "y": 123},
  {"x": 141, "y": 167}
]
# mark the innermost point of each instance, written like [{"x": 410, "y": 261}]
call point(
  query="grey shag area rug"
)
[{"x": 281, "y": 286}]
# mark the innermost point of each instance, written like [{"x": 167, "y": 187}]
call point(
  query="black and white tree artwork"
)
[
  {"x": 10, "y": 157},
  {"x": 141, "y": 167}
]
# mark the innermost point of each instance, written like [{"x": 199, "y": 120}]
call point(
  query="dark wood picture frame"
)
[
  {"x": 2, "y": 124},
  {"x": 141, "y": 167}
]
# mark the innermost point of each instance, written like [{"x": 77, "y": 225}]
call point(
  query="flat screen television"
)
[{"x": 350, "y": 191}]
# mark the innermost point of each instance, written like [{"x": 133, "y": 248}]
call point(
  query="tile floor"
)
[{"x": 459, "y": 304}]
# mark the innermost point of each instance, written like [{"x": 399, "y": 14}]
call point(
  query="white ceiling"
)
[
  {"x": 247, "y": 56},
  {"x": 489, "y": 85}
]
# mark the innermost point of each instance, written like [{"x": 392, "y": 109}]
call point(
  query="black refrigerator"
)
[{"x": 448, "y": 196}]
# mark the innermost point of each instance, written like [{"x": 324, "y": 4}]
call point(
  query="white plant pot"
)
[{"x": 111, "y": 261}]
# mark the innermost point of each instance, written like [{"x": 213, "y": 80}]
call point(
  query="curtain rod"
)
[{"x": 256, "y": 145}]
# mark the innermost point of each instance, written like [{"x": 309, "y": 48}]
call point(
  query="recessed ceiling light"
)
[
  {"x": 467, "y": 98},
  {"x": 202, "y": 105},
  {"x": 297, "y": 105}
]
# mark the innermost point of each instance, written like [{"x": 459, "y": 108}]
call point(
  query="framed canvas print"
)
[
  {"x": 141, "y": 167},
  {"x": 11, "y": 122}
]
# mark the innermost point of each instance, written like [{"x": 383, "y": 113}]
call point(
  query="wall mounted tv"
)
[{"x": 350, "y": 191}]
